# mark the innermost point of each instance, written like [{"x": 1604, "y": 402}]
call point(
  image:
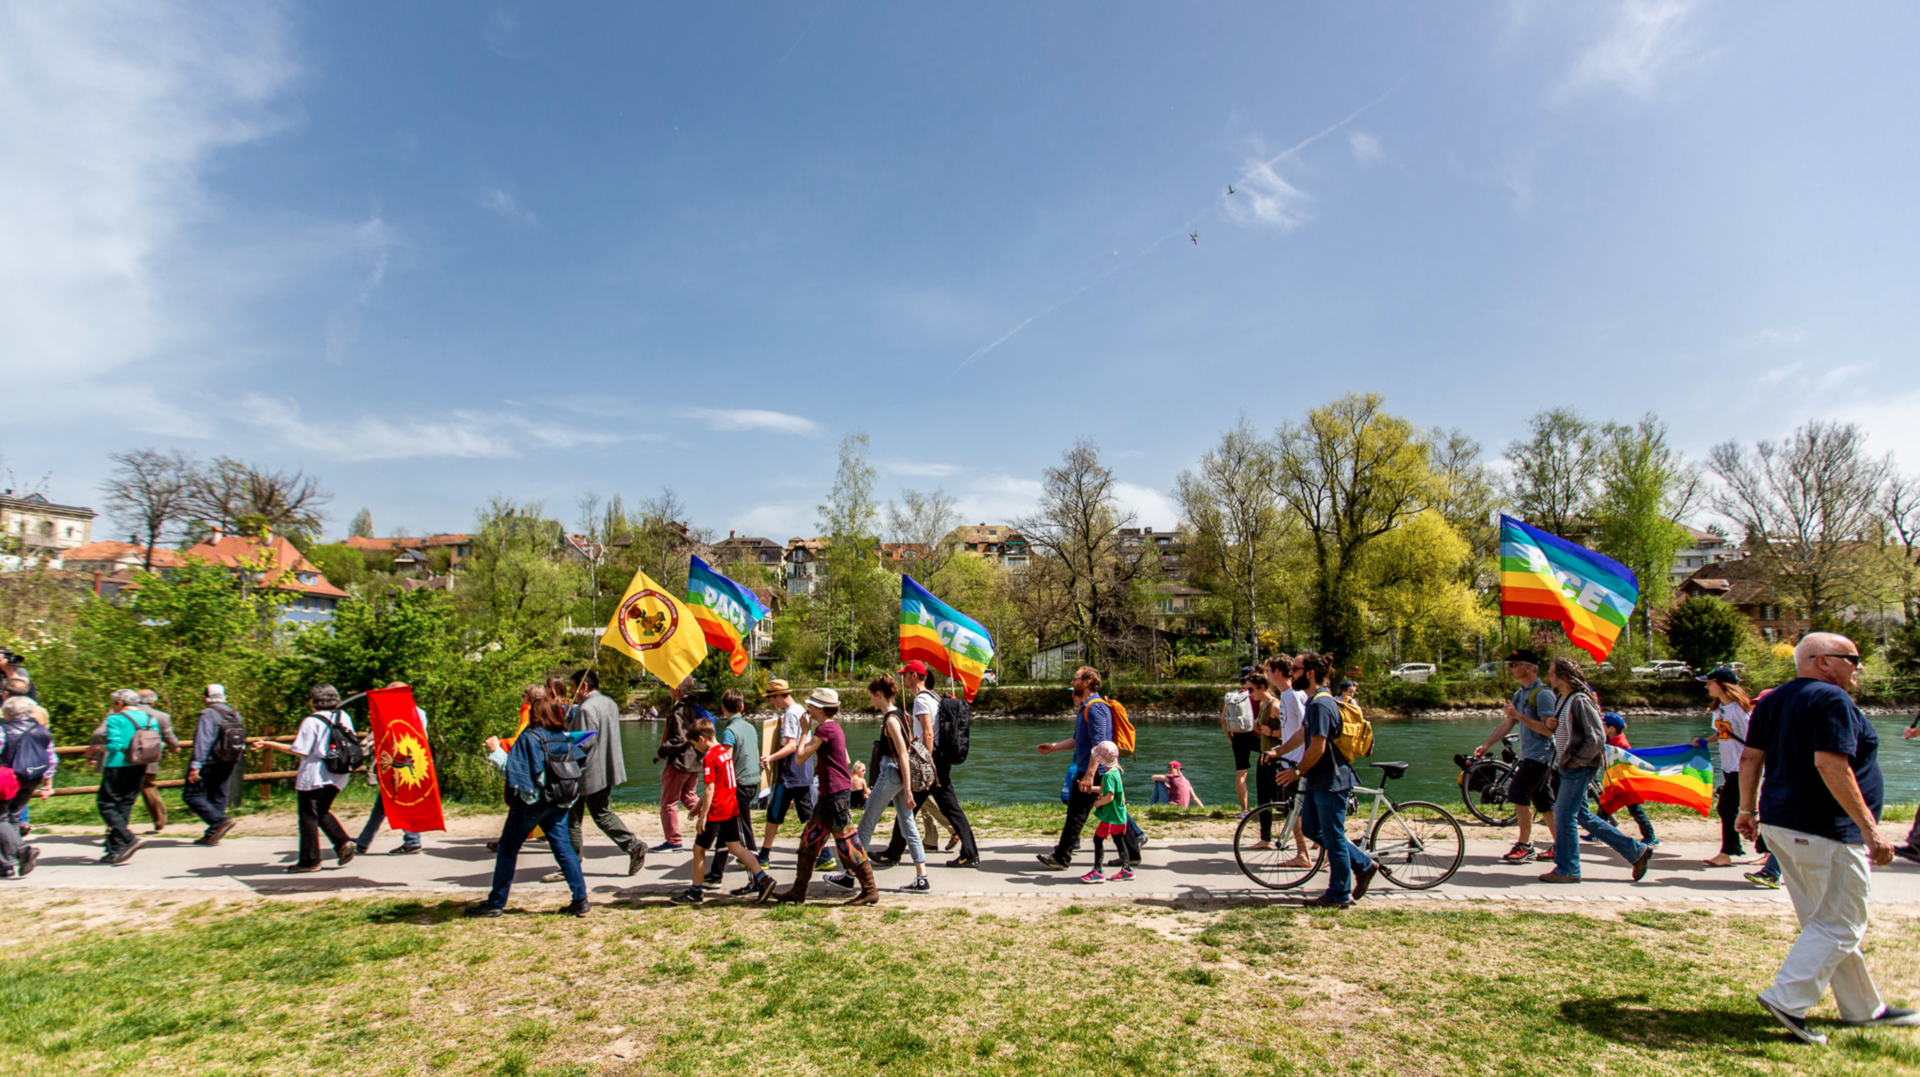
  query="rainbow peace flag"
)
[
  {"x": 1681, "y": 774},
  {"x": 942, "y": 637},
  {"x": 1552, "y": 579},
  {"x": 726, "y": 611}
]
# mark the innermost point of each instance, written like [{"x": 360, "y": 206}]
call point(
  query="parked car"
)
[
  {"x": 989, "y": 677},
  {"x": 1416, "y": 672},
  {"x": 1666, "y": 669},
  {"x": 1489, "y": 669}
]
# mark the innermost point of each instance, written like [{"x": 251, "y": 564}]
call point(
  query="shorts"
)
[
  {"x": 1245, "y": 747},
  {"x": 1108, "y": 830},
  {"x": 1529, "y": 786},
  {"x": 799, "y": 797},
  {"x": 835, "y": 812},
  {"x": 719, "y": 832}
]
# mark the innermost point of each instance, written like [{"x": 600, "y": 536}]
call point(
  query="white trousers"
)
[{"x": 1828, "y": 882}]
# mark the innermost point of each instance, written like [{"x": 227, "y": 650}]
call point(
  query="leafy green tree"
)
[
  {"x": 1351, "y": 473},
  {"x": 1705, "y": 632},
  {"x": 342, "y": 565},
  {"x": 1237, "y": 522},
  {"x": 852, "y": 609},
  {"x": 1412, "y": 581},
  {"x": 515, "y": 586},
  {"x": 1645, "y": 488},
  {"x": 1553, "y": 472}
]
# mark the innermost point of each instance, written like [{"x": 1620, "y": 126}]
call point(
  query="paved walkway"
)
[{"x": 1176, "y": 870}]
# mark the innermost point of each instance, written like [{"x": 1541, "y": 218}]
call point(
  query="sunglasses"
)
[{"x": 1853, "y": 658}]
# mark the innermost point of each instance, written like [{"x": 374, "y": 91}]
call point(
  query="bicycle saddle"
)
[{"x": 1391, "y": 770}]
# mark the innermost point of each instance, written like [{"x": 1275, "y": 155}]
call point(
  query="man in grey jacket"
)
[
  {"x": 210, "y": 768},
  {"x": 602, "y": 770}
]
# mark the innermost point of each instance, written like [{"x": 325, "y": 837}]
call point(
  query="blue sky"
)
[{"x": 437, "y": 252}]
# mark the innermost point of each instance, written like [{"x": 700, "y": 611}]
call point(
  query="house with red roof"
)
[{"x": 274, "y": 563}]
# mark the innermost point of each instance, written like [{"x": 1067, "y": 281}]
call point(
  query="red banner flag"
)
[{"x": 409, "y": 786}]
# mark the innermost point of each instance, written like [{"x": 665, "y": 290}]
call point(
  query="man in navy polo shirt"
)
[
  {"x": 1329, "y": 780},
  {"x": 1818, "y": 809}
]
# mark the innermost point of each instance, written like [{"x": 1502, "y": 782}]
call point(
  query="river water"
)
[{"x": 1002, "y": 766}]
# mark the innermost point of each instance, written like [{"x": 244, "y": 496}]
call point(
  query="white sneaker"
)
[{"x": 1890, "y": 1017}]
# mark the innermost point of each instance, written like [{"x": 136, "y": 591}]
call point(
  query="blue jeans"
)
[
  {"x": 521, "y": 819},
  {"x": 1162, "y": 793},
  {"x": 888, "y": 788},
  {"x": 1324, "y": 818},
  {"x": 407, "y": 837},
  {"x": 1571, "y": 815}
]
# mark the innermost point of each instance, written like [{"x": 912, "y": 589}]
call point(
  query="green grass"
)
[{"x": 407, "y": 987}]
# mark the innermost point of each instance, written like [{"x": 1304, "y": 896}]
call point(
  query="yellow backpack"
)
[
  {"x": 1356, "y": 733},
  {"x": 1122, "y": 725}
]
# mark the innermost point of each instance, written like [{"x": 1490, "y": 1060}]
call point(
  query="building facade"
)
[{"x": 39, "y": 528}]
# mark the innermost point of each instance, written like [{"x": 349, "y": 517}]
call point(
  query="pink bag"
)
[{"x": 9, "y": 784}]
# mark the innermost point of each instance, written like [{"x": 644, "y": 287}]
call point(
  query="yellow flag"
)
[{"x": 657, "y": 630}]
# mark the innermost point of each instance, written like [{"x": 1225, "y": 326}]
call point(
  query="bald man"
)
[{"x": 1819, "y": 809}]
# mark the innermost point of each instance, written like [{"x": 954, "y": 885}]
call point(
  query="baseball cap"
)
[
  {"x": 1174, "y": 765},
  {"x": 1725, "y": 675},
  {"x": 1530, "y": 657},
  {"x": 915, "y": 666},
  {"x": 1344, "y": 685}
]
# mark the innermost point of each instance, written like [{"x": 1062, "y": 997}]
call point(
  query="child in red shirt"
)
[{"x": 718, "y": 818}]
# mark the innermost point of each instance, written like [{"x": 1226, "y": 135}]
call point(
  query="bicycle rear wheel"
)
[
  {"x": 1418, "y": 845},
  {"x": 1270, "y": 867},
  {"x": 1483, "y": 787}
]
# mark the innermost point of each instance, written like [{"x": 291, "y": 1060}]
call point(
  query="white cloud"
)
[
  {"x": 343, "y": 326},
  {"x": 111, "y": 112},
  {"x": 1646, "y": 39},
  {"x": 1150, "y": 507},
  {"x": 1840, "y": 373},
  {"x": 1366, "y": 148},
  {"x": 1780, "y": 373},
  {"x": 997, "y": 499},
  {"x": 778, "y": 521},
  {"x": 459, "y": 433},
  {"x": 1773, "y": 338},
  {"x": 501, "y": 202},
  {"x": 736, "y": 419},
  {"x": 1263, "y": 196},
  {"x": 920, "y": 469}
]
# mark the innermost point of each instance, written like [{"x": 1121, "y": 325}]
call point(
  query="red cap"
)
[
  {"x": 915, "y": 666},
  {"x": 1175, "y": 765}
]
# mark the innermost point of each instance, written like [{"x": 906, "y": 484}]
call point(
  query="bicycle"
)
[
  {"x": 1418, "y": 844},
  {"x": 1486, "y": 783}
]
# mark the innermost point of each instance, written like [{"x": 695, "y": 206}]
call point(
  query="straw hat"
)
[
  {"x": 824, "y": 698},
  {"x": 778, "y": 687}
]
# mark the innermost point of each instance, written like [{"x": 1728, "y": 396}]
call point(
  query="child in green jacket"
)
[{"x": 1111, "y": 812}]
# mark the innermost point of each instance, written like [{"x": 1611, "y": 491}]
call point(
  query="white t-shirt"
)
[
  {"x": 926, "y": 704},
  {"x": 1736, "y": 720},
  {"x": 1293, "y": 715},
  {"x": 792, "y": 723},
  {"x": 311, "y": 745}
]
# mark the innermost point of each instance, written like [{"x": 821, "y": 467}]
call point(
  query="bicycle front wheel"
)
[
  {"x": 1483, "y": 787},
  {"x": 1276, "y": 867},
  {"x": 1418, "y": 845}
]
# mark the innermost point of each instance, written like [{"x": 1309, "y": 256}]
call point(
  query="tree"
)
[
  {"x": 342, "y": 565},
  {"x": 515, "y": 587},
  {"x": 1552, "y": 481},
  {"x": 1076, "y": 532},
  {"x": 926, "y": 521},
  {"x": 242, "y": 498},
  {"x": 148, "y": 492},
  {"x": 853, "y": 596},
  {"x": 362, "y": 525},
  {"x": 1237, "y": 524},
  {"x": 1645, "y": 488},
  {"x": 1351, "y": 473},
  {"x": 1705, "y": 632},
  {"x": 1412, "y": 580},
  {"x": 1807, "y": 506},
  {"x": 1900, "y": 506}
]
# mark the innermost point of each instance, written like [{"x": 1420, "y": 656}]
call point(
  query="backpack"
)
[
  {"x": 1237, "y": 712},
  {"x": 1356, "y": 733},
  {"x": 343, "y": 754},
  {"x": 230, "y": 737},
  {"x": 951, "y": 730},
  {"x": 31, "y": 755},
  {"x": 146, "y": 746},
  {"x": 560, "y": 775},
  {"x": 1123, "y": 737}
]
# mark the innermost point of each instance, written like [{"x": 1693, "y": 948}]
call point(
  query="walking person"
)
[
  {"x": 123, "y": 770},
  {"x": 150, "y": 798},
  {"x": 27, "y": 757},
  {"x": 742, "y": 739},
  {"x": 1328, "y": 780},
  {"x": 717, "y": 816},
  {"x": 1092, "y": 723},
  {"x": 316, "y": 783},
  {"x": 832, "y": 809},
  {"x": 1237, "y": 722},
  {"x": 923, "y": 725},
  {"x": 679, "y": 763},
  {"x": 1819, "y": 809},
  {"x": 219, "y": 740},
  {"x": 1527, "y": 790},
  {"x": 1270, "y": 723},
  {"x": 603, "y": 772},
  {"x": 794, "y": 789},
  {"x": 539, "y": 768},
  {"x": 1732, "y": 711},
  {"x": 1911, "y": 850},
  {"x": 897, "y": 758},
  {"x": 17, "y": 687},
  {"x": 1110, "y": 811},
  {"x": 409, "y": 841},
  {"x": 1579, "y": 750}
]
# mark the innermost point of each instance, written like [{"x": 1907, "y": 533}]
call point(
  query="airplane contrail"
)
[{"x": 1183, "y": 229}]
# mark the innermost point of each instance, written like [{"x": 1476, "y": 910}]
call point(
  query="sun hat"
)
[
  {"x": 1105, "y": 754},
  {"x": 778, "y": 687},
  {"x": 824, "y": 698}
]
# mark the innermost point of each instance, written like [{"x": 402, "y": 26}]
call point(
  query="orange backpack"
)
[{"x": 1122, "y": 726}]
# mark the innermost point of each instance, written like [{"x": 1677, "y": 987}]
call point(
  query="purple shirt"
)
[{"x": 835, "y": 775}]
